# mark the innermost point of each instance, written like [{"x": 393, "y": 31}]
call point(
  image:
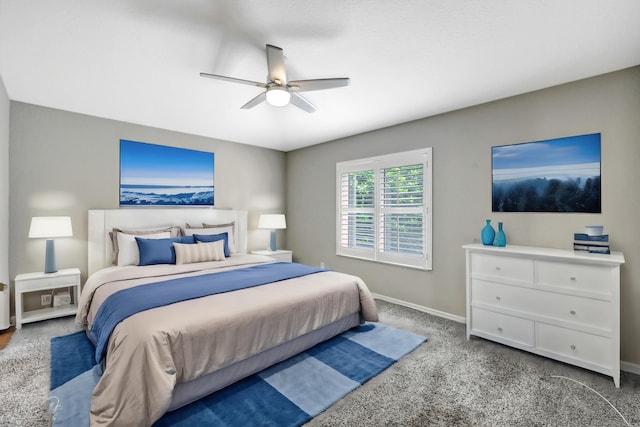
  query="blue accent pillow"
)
[
  {"x": 160, "y": 251},
  {"x": 206, "y": 238}
]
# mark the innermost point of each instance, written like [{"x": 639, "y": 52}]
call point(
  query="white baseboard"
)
[
  {"x": 624, "y": 366},
  {"x": 630, "y": 367},
  {"x": 424, "y": 309}
]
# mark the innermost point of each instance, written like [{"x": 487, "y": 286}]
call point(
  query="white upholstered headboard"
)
[{"x": 101, "y": 222}]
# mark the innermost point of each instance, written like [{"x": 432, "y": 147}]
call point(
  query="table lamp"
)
[
  {"x": 272, "y": 222},
  {"x": 47, "y": 227}
]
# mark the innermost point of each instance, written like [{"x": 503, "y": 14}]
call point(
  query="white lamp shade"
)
[
  {"x": 272, "y": 222},
  {"x": 50, "y": 226}
]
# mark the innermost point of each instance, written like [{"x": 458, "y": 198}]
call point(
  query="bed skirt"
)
[{"x": 185, "y": 393}]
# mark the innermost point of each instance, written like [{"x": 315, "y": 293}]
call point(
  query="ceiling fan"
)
[{"x": 279, "y": 91}]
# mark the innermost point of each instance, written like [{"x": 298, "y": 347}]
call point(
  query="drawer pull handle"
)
[
  {"x": 498, "y": 298},
  {"x": 573, "y": 347},
  {"x": 572, "y": 278},
  {"x": 573, "y": 312},
  {"x": 499, "y": 329},
  {"x": 498, "y": 268}
]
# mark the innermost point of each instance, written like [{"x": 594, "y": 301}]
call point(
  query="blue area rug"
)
[{"x": 288, "y": 394}]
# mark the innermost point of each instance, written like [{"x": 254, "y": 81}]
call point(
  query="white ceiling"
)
[{"x": 139, "y": 60}]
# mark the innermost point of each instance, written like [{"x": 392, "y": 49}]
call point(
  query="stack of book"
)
[{"x": 598, "y": 244}]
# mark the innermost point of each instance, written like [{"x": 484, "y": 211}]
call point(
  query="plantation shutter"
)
[
  {"x": 357, "y": 190},
  {"x": 384, "y": 209},
  {"x": 401, "y": 210}
]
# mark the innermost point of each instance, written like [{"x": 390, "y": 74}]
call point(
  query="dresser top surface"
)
[{"x": 615, "y": 258}]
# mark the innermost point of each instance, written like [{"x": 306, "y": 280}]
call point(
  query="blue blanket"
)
[{"x": 128, "y": 302}]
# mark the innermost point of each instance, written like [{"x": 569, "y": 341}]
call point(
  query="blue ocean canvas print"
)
[
  {"x": 158, "y": 175},
  {"x": 556, "y": 175}
]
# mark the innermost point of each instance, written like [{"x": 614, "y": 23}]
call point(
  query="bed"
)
[{"x": 231, "y": 315}]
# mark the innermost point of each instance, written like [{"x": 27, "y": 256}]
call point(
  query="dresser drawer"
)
[
  {"x": 534, "y": 302},
  {"x": 581, "y": 311},
  {"x": 518, "y": 270},
  {"x": 589, "y": 278},
  {"x": 503, "y": 326},
  {"x": 502, "y": 296},
  {"x": 574, "y": 344}
]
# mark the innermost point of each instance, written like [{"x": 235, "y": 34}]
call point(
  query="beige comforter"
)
[{"x": 152, "y": 351}]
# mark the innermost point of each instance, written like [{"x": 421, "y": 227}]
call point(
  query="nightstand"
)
[
  {"x": 279, "y": 255},
  {"x": 34, "y": 282}
]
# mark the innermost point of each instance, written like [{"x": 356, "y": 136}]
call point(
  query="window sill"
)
[{"x": 397, "y": 264}]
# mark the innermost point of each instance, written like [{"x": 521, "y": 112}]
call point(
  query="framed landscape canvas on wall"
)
[
  {"x": 555, "y": 175},
  {"x": 158, "y": 175}
]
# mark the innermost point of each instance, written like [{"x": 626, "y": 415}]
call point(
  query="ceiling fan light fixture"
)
[
  {"x": 278, "y": 96},
  {"x": 279, "y": 91}
]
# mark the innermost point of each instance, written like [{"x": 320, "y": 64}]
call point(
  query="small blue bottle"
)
[
  {"x": 488, "y": 234},
  {"x": 501, "y": 238}
]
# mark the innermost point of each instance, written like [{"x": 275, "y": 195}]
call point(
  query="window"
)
[{"x": 384, "y": 208}]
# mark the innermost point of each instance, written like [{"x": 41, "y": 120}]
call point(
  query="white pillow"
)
[
  {"x": 215, "y": 230},
  {"x": 128, "y": 253},
  {"x": 113, "y": 235},
  {"x": 203, "y": 251}
]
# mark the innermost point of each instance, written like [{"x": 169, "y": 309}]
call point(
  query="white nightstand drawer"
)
[
  {"x": 581, "y": 277},
  {"x": 47, "y": 282},
  {"x": 500, "y": 267},
  {"x": 574, "y": 344},
  {"x": 503, "y": 326},
  {"x": 279, "y": 255}
]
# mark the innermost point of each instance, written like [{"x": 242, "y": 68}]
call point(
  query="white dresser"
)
[{"x": 552, "y": 302}]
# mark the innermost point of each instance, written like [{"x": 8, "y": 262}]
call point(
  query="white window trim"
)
[{"x": 377, "y": 163}]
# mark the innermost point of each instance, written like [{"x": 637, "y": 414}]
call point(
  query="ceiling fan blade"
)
[
  {"x": 300, "y": 102},
  {"x": 234, "y": 80},
  {"x": 255, "y": 101},
  {"x": 318, "y": 84},
  {"x": 275, "y": 65}
]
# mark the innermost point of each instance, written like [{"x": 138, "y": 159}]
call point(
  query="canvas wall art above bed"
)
[
  {"x": 181, "y": 324},
  {"x": 159, "y": 175}
]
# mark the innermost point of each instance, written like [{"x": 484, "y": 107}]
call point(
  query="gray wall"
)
[
  {"x": 461, "y": 141},
  {"x": 64, "y": 163}
]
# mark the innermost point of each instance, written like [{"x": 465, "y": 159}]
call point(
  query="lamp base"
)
[
  {"x": 50, "y": 258},
  {"x": 272, "y": 245}
]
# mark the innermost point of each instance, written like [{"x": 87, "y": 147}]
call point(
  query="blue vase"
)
[
  {"x": 501, "y": 238},
  {"x": 488, "y": 234}
]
